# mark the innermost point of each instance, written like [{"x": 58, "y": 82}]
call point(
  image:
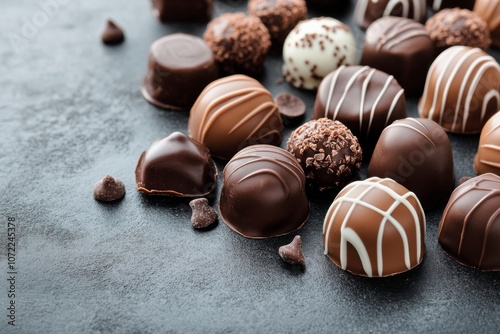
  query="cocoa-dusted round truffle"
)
[
  {"x": 487, "y": 159},
  {"x": 279, "y": 16},
  {"x": 469, "y": 231},
  {"x": 239, "y": 42},
  {"x": 457, "y": 26},
  {"x": 375, "y": 228},
  {"x": 234, "y": 112},
  {"x": 489, "y": 10},
  {"x": 263, "y": 194},
  {"x": 462, "y": 90},
  {"x": 437, "y": 5},
  {"x": 328, "y": 152},
  {"x": 367, "y": 11},
  {"x": 366, "y": 100},
  {"x": 416, "y": 152}
]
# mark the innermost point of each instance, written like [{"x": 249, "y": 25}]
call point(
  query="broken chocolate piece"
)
[
  {"x": 109, "y": 189},
  {"x": 203, "y": 215},
  {"x": 292, "y": 253}
]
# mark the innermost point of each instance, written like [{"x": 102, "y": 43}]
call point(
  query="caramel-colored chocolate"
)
[{"x": 487, "y": 159}]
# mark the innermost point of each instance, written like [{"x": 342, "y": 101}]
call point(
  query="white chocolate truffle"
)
[{"x": 315, "y": 48}]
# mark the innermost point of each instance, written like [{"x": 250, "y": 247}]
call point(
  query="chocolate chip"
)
[
  {"x": 203, "y": 214},
  {"x": 291, "y": 107},
  {"x": 109, "y": 189},
  {"x": 112, "y": 34},
  {"x": 292, "y": 253}
]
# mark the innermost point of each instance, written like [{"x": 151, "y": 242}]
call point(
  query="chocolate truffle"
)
[
  {"x": 368, "y": 11},
  {"x": 489, "y": 10},
  {"x": 437, "y": 5},
  {"x": 366, "y": 100},
  {"x": 279, "y": 16},
  {"x": 487, "y": 159},
  {"x": 263, "y": 194},
  {"x": 316, "y": 47},
  {"x": 462, "y": 90},
  {"x": 327, "y": 151},
  {"x": 402, "y": 48},
  {"x": 109, "y": 189},
  {"x": 375, "y": 228},
  {"x": 240, "y": 43},
  {"x": 458, "y": 27},
  {"x": 183, "y": 11},
  {"x": 469, "y": 231},
  {"x": 179, "y": 67},
  {"x": 112, "y": 34},
  {"x": 234, "y": 112},
  {"x": 178, "y": 166},
  {"x": 416, "y": 152}
]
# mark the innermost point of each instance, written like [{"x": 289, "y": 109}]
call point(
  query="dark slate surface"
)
[{"x": 71, "y": 112}]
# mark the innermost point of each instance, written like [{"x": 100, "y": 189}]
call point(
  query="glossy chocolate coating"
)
[
  {"x": 179, "y": 67},
  {"x": 178, "y": 166},
  {"x": 364, "y": 99},
  {"x": 487, "y": 159},
  {"x": 462, "y": 90},
  {"x": 489, "y": 10},
  {"x": 183, "y": 10},
  {"x": 368, "y": 11},
  {"x": 402, "y": 48},
  {"x": 416, "y": 152},
  {"x": 232, "y": 113},
  {"x": 263, "y": 194},
  {"x": 437, "y": 5},
  {"x": 470, "y": 228},
  {"x": 375, "y": 228}
]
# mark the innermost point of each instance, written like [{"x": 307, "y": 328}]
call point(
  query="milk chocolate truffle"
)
[
  {"x": 314, "y": 48},
  {"x": 179, "y": 67},
  {"x": 402, "y": 48},
  {"x": 234, "y": 112},
  {"x": 416, "y": 152},
  {"x": 487, "y": 159},
  {"x": 489, "y": 10},
  {"x": 263, "y": 194},
  {"x": 469, "y": 231},
  {"x": 375, "y": 228},
  {"x": 458, "y": 27},
  {"x": 240, "y": 43},
  {"x": 462, "y": 90},
  {"x": 364, "y": 99},
  {"x": 437, "y": 5},
  {"x": 279, "y": 16},
  {"x": 368, "y": 11},
  {"x": 183, "y": 11},
  {"x": 178, "y": 166},
  {"x": 328, "y": 152}
]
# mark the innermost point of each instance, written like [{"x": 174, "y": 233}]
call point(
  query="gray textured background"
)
[{"x": 71, "y": 112}]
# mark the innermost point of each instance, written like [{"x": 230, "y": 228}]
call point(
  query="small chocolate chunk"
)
[
  {"x": 109, "y": 189},
  {"x": 112, "y": 34},
  {"x": 203, "y": 215},
  {"x": 291, "y": 106},
  {"x": 292, "y": 253}
]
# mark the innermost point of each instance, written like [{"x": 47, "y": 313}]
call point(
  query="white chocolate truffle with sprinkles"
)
[{"x": 315, "y": 48}]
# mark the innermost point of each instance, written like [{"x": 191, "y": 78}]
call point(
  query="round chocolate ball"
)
[
  {"x": 368, "y": 11},
  {"x": 437, "y": 5},
  {"x": 487, "y": 159},
  {"x": 489, "y": 10}
]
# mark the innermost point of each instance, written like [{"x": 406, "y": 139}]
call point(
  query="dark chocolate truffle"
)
[
  {"x": 327, "y": 151},
  {"x": 487, "y": 159},
  {"x": 183, "y": 10},
  {"x": 263, "y": 194},
  {"x": 470, "y": 228},
  {"x": 458, "y": 27},
  {"x": 437, "y": 5},
  {"x": 462, "y": 90},
  {"x": 364, "y": 99},
  {"x": 178, "y": 166},
  {"x": 489, "y": 10},
  {"x": 112, "y": 34},
  {"x": 109, "y": 189},
  {"x": 234, "y": 112},
  {"x": 417, "y": 154},
  {"x": 179, "y": 67},
  {"x": 375, "y": 228},
  {"x": 367, "y": 11},
  {"x": 402, "y": 48},
  {"x": 279, "y": 16},
  {"x": 239, "y": 42}
]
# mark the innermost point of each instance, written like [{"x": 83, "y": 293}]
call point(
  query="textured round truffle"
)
[
  {"x": 375, "y": 228},
  {"x": 263, "y": 194},
  {"x": 314, "y": 48},
  {"x": 458, "y": 27},
  {"x": 109, "y": 189},
  {"x": 279, "y": 16},
  {"x": 487, "y": 159},
  {"x": 364, "y": 99},
  {"x": 437, "y": 5},
  {"x": 470, "y": 228},
  {"x": 178, "y": 166},
  {"x": 367, "y": 11},
  {"x": 234, "y": 112},
  {"x": 462, "y": 90},
  {"x": 489, "y": 10},
  {"x": 417, "y": 154},
  {"x": 239, "y": 42},
  {"x": 402, "y": 48},
  {"x": 179, "y": 67},
  {"x": 328, "y": 152}
]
